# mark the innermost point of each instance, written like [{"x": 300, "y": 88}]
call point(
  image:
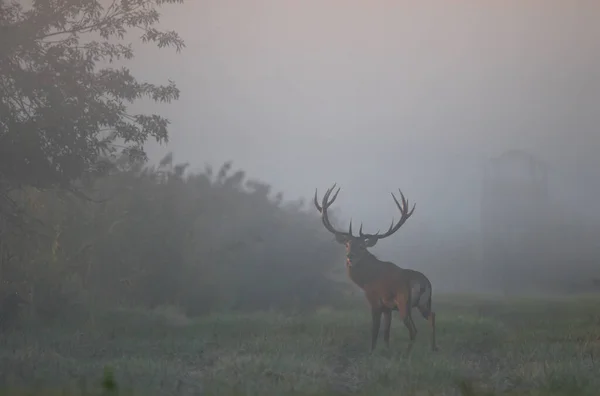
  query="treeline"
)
[
  {"x": 148, "y": 236},
  {"x": 84, "y": 222}
]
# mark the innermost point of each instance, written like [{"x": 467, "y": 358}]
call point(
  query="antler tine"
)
[
  {"x": 328, "y": 201},
  {"x": 325, "y": 204},
  {"x": 360, "y": 233},
  {"x": 405, "y": 214},
  {"x": 316, "y": 202},
  {"x": 406, "y": 200},
  {"x": 404, "y": 203},
  {"x": 391, "y": 226}
]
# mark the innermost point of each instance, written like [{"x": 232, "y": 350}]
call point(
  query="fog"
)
[
  {"x": 382, "y": 95},
  {"x": 208, "y": 269},
  {"x": 377, "y": 96}
]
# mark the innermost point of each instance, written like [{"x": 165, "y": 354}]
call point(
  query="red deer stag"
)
[{"x": 386, "y": 286}]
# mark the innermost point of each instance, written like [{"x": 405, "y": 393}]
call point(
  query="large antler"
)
[
  {"x": 405, "y": 214},
  {"x": 325, "y": 204}
]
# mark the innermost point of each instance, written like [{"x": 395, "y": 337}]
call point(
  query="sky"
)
[{"x": 379, "y": 95}]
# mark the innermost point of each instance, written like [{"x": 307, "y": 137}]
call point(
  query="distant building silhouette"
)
[{"x": 514, "y": 208}]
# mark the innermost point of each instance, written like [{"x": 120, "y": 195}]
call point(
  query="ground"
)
[{"x": 514, "y": 347}]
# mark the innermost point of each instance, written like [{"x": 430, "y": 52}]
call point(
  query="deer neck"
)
[{"x": 360, "y": 270}]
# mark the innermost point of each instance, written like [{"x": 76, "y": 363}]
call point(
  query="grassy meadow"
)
[{"x": 487, "y": 346}]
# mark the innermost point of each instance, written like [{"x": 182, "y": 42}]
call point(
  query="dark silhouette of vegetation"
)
[
  {"x": 199, "y": 241},
  {"x": 61, "y": 106},
  {"x": 64, "y": 120},
  {"x": 82, "y": 219},
  {"x": 63, "y": 102}
]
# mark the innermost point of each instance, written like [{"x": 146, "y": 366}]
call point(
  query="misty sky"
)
[{"x": 378, "y": 95}]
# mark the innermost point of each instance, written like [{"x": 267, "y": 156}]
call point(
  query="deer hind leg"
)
[
  {"x": 387, "y": 324},
  {"x": 404, "y": 308},
  {"x": 429, "y": 315}
]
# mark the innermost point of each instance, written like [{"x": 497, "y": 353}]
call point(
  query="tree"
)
[{"x": 63, "y": 108}]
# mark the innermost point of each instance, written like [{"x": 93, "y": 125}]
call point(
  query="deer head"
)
[{"x": 356, "y": 246}]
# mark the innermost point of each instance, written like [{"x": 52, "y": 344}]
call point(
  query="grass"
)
[{"x": 487, "y": 346}]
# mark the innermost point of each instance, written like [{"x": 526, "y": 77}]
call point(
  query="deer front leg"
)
[{"x": 376, "y": 323}]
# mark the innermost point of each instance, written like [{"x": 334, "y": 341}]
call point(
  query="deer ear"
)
[
  {"x": 370, "y": 242},
  {"x": 340, "y": 239}
]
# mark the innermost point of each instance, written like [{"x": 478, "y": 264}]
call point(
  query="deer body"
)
[{"x": 387, "y": 287}]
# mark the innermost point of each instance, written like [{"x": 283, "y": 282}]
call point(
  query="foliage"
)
[
  {"x": 63, "y": 103},
  {"x": 201, "y": 241},
  {"x": 82, "y": 219}
]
